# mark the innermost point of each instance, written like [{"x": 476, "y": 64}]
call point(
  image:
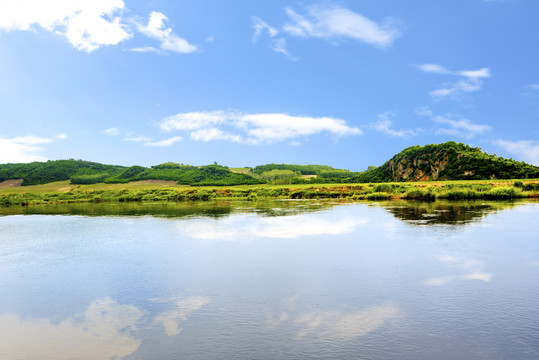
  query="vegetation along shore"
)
[{"x": 445, "y": 171}]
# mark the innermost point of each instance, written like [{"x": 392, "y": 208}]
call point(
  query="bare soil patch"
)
[{"x": 10, "y": 183}]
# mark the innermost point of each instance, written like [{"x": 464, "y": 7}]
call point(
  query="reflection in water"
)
[
  {"x": 472, "y": 269},
  {"x": 246, "y": 227},
  {"x": 182, "y": 308},
  {"x": 106, "y": 330},
  {"x": 334, "y": 325},
  {"x": 216, "y": 209},
  {"x": 442, "y": 212},
  {"x": 364, "y": 284}
]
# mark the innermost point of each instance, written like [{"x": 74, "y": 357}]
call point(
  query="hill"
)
[
  {"x": 86, "y": 172},
  {"x": 447, "y": 161}
]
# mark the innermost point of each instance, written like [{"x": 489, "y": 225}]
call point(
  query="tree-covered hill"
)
[
  {"x": 447, "y": 161},
  {"x": 36, "y": 173},
  {"x": 85, "y": 172}
]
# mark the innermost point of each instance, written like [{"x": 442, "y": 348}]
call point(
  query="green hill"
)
[
  {"x": 85, "y": 172},
  {"x": 447, "y": 161},
  {"x": 36, "y": 173}
]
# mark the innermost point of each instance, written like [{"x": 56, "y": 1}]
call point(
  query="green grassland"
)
[{"x": 151, "y": 191}]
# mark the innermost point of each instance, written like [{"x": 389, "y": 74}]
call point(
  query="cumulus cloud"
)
[
  {"x": 157, "y": 30},
  {"x": 384, "y": 126},
  {"x": 527, "y": 150},
  {"x": 470, "y": 80},
  {"x": 253, "y": 128},
  {"x": 337, "y": 23},
  {"x": 87, "y": 25},
  {"x": 24, "y": 149},
  {"x": 457, "y": 127}
]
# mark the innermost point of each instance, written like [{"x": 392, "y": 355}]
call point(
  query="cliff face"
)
[
  {"x": 423, "y": 168},
  {"x": 448, "y": 161}
]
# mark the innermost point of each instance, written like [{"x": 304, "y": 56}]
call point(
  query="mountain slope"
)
[{"x": 447, "y": 161}]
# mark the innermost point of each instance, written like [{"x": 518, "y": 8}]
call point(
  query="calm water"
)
[{"x": 273, "y": 280}]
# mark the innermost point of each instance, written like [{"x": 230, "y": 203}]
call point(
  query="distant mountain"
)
[{"x": 447, "y": 161}]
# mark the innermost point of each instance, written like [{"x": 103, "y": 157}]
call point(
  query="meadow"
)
[{"x": 152, "y": 190}]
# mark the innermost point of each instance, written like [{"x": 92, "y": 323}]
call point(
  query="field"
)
[{"x": 153, "y": 190}]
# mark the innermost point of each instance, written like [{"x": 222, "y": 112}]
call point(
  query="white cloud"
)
[
  {"x": 260, "y": 27},
  {"x": 277, "y": 44},
  {"x": 457, "y": 127},
  {"x": 112, "y": 132},
  {"x": 481, "y": 73},
  {"x": 533, "y": 86},
  {"x": 169, "y": 40},
  {"x": 22, "y": 149},
  {"x": 433, "y": 68},
  {"x": 471, "y": 80},
  {"x": 212, "y": 134},
  {"x": 163, "y": 143},
  {"x": 384, "y": 126},
  {"x": 86, "y": 24},
  {"x": 253, "y": 128},
  {"x": 61, "y": 136},
  {"x": 336, "y": 23},
  {"x": 141, "y": 138},
  {"x": 462, "y": 127},
  {"x": 145, "y": 49},
  {"x": 525, "y": 149}
]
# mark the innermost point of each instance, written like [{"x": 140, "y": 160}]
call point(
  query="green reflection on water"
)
[
  {"x": 414, "y": 212},
  {"x": 446, "y": 212}
]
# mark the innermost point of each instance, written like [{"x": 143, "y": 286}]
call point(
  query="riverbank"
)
[{"x": 64, "y": 192}]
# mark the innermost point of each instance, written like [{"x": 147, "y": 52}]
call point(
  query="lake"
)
[{"x": 270, "y": 280}]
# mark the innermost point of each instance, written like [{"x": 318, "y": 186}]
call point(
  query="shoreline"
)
[{"x": 65, "y": 193}]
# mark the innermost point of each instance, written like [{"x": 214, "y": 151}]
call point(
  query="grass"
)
[{"x": 151, "y": 190}]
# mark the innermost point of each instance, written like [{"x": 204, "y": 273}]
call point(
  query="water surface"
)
[{"x": 270, "y": 280}]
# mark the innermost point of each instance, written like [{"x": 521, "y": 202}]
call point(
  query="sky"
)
[{"x": 344, "y": 83}]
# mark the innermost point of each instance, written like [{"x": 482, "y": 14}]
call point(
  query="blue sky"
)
[{"x": 342, "y": 83}]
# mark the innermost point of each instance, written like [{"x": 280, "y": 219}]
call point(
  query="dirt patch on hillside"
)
[
  {"x": 155, "y": 182},
  {"x": 10, "y": 183}
]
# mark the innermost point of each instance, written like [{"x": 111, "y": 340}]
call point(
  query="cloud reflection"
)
[
  {"x": 344, "y": 326},
  {"x": 182, "y": 308},
  {"x": 333, "y": 325},
  {"x": 473, "y": 269},
  {"x": 106, "y": 330},
  {"x": 245, "y": 227}
]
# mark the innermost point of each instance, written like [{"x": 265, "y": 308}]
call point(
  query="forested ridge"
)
[{"x": 447, "y": 161}]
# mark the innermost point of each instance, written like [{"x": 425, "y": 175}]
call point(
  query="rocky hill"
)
[{"x": 447, "y": 161}]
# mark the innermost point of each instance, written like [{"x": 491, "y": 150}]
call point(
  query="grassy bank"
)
[{"x": 149, "y": 191}]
